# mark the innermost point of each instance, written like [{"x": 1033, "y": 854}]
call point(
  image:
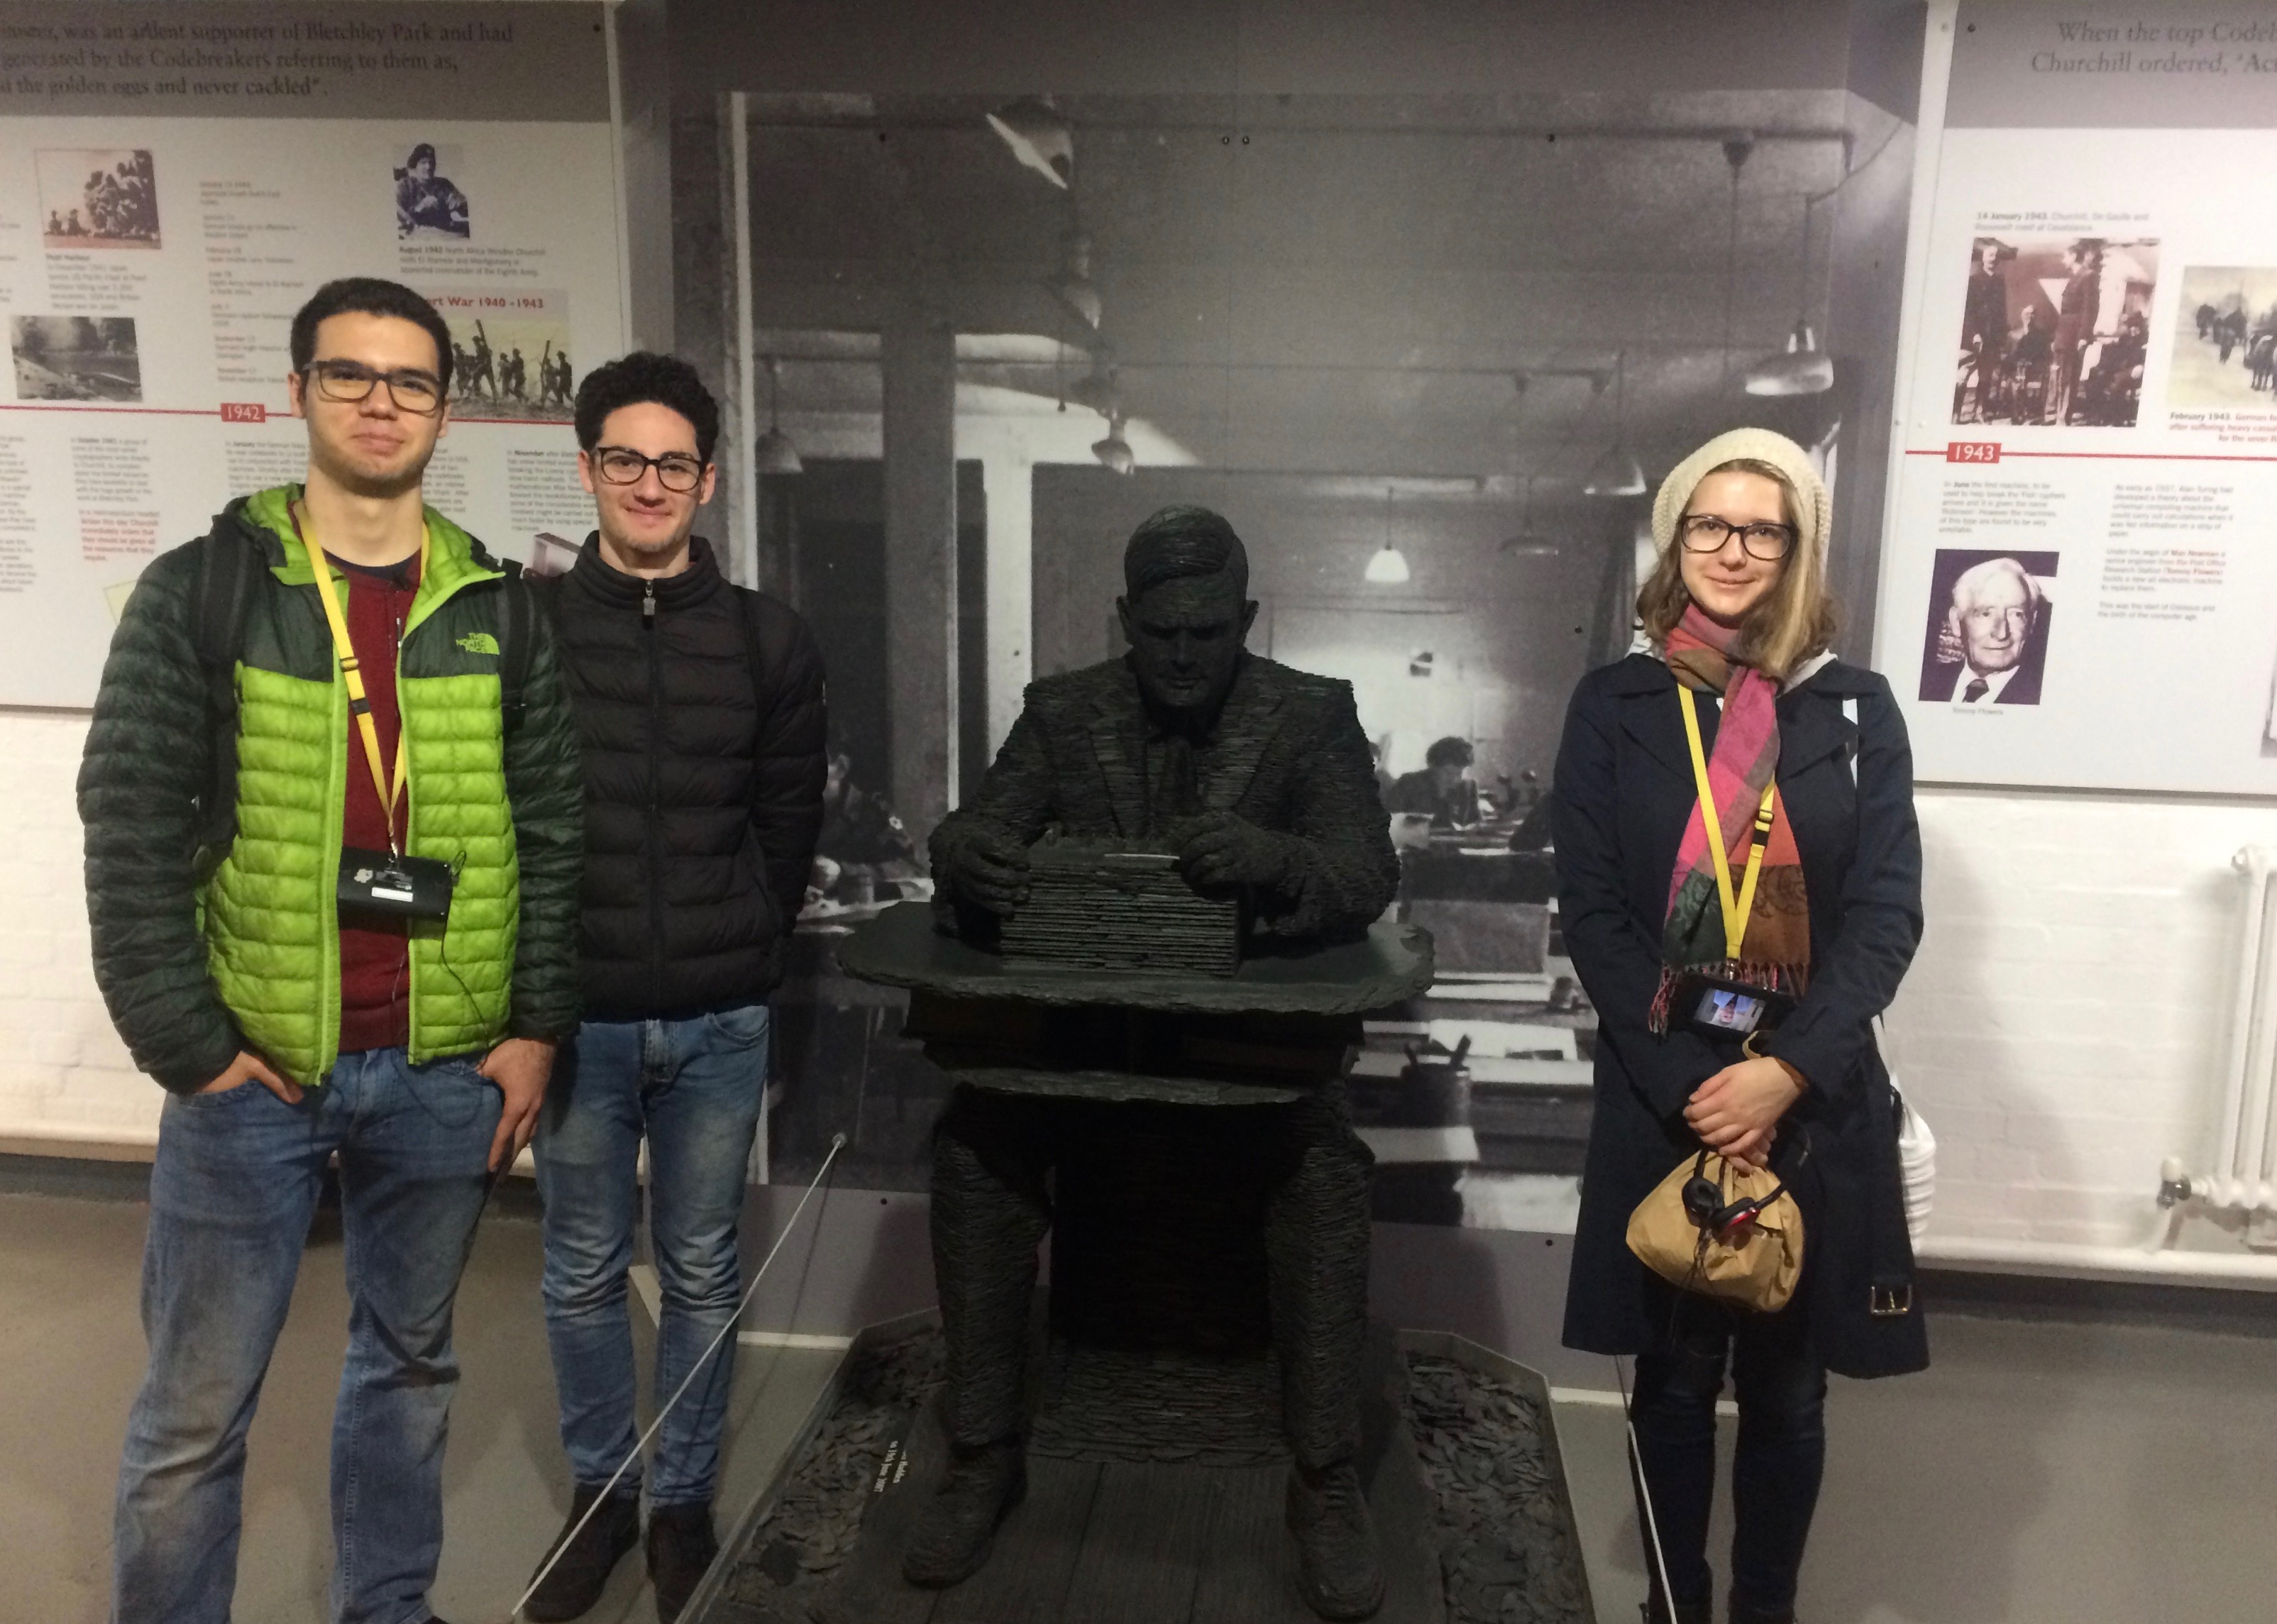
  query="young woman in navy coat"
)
[{"x": 1624, "y": 792}]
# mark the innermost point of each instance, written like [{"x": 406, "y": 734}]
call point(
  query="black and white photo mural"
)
[{"x": 1428, "y": 354}]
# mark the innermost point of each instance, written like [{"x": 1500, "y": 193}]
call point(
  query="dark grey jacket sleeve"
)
[
  {"x": 149, "y": 758},
  {"x": 1343, "y": 873},
  {"x": 1019, "y": 791}
]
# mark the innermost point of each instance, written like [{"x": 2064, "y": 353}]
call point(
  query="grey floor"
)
[
  {"x": 2037, "y": 1472},
  {"x": 2041, "y": 1471},
  {"x": 71, "y": 1353}
]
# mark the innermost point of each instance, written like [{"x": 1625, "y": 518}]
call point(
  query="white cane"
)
[{"x": 1644, "y": 1494}]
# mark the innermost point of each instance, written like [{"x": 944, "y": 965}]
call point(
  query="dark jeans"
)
[
  {"x": 231, "y": 1192},
  {"x": 693, "y": 1088},
  {"x": 1780, "y": 1384},
  {"x": 991, "y": 1211}
]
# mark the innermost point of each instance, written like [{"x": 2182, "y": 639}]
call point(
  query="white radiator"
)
[{"x": 2240, "y": 1180}]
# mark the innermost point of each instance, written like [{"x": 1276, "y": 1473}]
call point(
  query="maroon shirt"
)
[{"x": 376, "y": 950}]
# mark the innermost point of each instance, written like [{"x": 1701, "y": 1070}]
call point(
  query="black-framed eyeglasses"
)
[
  {"x": 1704, "y": 532},
  {"x": 348, "y": 383},
  {"x": 675, "y": 470}
]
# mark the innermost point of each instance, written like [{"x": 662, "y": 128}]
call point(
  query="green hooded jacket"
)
[{"x": 202, "y": 950}]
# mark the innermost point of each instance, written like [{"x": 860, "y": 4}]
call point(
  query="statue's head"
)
[{"x": 1185, "y": 609}]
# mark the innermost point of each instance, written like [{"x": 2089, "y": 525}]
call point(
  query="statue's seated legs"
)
[{"x": 991, "y": 1209}]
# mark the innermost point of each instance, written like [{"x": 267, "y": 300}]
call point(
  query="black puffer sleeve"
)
[
  {"x": 789, "y": 752},
  {"x": 149, "y": 755},
  {"x": 545, "y": 786}
]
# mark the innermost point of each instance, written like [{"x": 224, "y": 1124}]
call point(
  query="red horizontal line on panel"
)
[
  {"x": 192, "y": 411},
  {"x": 2116, "y": 456}
]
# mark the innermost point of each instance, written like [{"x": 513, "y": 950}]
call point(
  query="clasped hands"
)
[
  {"x": 987, "y": 864},
  {"x": 1736, "y": 1112}
]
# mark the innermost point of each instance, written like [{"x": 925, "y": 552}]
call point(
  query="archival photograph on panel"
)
[
  {"x": 97, "y": 197},
  {"x": 429, "y": 205},
  {"x": 75, "y": 357},
  {"x": 1430, "y": 366},
  {"x": 2054, "y": 329},
  {"x": 2225, "y": 338},
  {"x": 510, "y": 354},
  {"x": 1988, "y": 619}
]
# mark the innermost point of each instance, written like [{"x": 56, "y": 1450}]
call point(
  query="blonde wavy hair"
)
[{"x": 1796, "y": 619}]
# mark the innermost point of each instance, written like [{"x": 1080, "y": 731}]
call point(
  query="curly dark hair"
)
[
  {"x": 369, "y": 296},
  {"x": 1449, "y": 752},
  {"x": 645, "y": 376}
]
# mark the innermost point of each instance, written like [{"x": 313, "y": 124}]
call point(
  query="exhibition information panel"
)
[
  {"x": 176, "y": 181},
  {"x": 2080, "y": 586}
]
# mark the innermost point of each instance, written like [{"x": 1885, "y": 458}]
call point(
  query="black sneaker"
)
[
  {"x": 1338, "y": 1569},
  {"x": 577, "y": 1580},
  {"x": 954, "y": 1530},
  {"x": 680, "y": 1548}
]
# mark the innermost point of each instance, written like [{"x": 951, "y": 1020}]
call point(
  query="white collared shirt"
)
[{"x": 1995, "y": 682}]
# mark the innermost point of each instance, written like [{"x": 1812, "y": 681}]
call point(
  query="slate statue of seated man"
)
[{"x": 1258, "y": 776}]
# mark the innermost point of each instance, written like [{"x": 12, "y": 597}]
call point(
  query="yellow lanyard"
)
[
  {"x": 1735, "y": 913},
  {"x": 352, "y": 673}
]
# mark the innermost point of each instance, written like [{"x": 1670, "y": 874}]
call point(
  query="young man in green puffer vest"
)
[{"x": 250, "y": 811}]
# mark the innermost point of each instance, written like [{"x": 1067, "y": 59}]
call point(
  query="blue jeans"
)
[
  {"x": 695, "y": 1088},
  {"x": 232, "y": 1193}
]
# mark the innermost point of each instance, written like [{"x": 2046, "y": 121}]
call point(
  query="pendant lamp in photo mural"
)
[
  {"x": 776, "y": 453},
  {"x": 1802, "y": 368},
  {"x": 1098, "y": 389},
  {"x": 1386, "y": 566},
  {"x": 1114, "y": 452},
  {"x": 1073, "y": 288},
  {"x": 1039, "y": 136},
  {"x": 1617, "y": 473}
]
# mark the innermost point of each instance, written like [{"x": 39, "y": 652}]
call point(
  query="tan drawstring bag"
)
[{"x": 1710, "y": 1227}]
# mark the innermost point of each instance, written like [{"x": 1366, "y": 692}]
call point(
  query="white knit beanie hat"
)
[{"x": 1815, "y": 506}]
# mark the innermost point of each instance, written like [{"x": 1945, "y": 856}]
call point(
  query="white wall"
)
[
  {"x": 2064, "y": 1026},
  {"x": 63, "y": 1073}
]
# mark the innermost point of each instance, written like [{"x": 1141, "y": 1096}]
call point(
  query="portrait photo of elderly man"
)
[{"x": 1988, "y": 627}]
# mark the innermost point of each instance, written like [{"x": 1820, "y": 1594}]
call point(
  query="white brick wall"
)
[
  {"x": 2062, "y": 1029},
  {"x": 2065, "y": 1024},
  {"x": 63, "y": 1073}
]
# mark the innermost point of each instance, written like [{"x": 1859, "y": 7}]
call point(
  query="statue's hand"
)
[
  {"x": 981, "y": 864},
  {"x": 1220, "y": 848}
]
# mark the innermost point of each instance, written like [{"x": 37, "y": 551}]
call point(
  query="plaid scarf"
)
[{"x": 1776, "y": 951}]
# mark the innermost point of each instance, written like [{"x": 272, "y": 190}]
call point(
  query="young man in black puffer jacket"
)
[{"x": 700, "y": 708}]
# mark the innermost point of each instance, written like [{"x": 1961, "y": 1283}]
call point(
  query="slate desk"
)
[
  {"x": 1166, "y": 1089},
  {"x": 1280, "y": 1025}
]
